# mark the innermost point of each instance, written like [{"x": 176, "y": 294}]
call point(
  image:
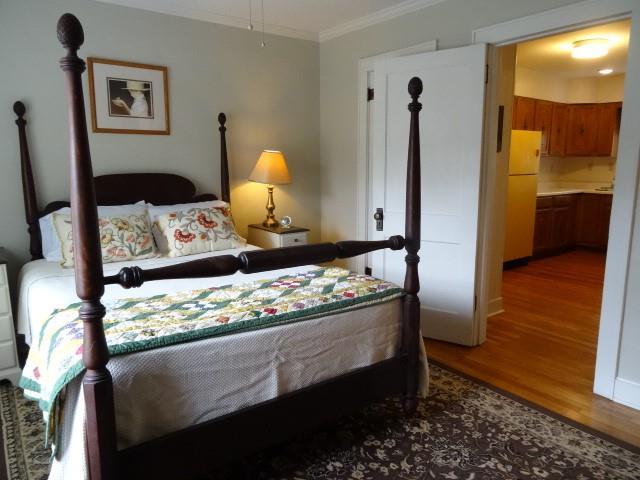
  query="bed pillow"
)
[
  {"x": 51, "y": 248},
  {"x": 198, "y": 230},
  {"x": 122, "y": 238},
  {"x": 156, "y": 211}
]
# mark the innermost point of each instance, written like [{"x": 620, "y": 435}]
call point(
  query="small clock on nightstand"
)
[{"x": 275, "y": 237}]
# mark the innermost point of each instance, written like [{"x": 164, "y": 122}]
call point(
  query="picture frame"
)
[{"x": 127, "y": 97}]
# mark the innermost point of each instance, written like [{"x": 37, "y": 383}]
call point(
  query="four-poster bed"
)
[{"x": 196, "y": 449}]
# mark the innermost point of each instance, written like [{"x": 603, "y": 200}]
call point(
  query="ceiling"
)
[
  {"x": 554, "y": 53},
  {"x": 308, "y": 19}
]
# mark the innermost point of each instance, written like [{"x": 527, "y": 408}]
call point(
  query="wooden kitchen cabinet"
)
[
  {"x": 555, "y": 224},
  {"x": 543, "y": 230},
  {"x": 542, "y": 123},
  {"x": 608, "y": 114},
  {"x": 582, "y": 129},
  {"x": 558, "y": 136},
  {"x": 592, "y": 220},
  {"x": 524, "y": 113},
  {"x": 564, "y": 214}
]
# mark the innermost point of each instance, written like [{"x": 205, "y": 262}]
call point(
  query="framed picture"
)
[{"x": 128, "y": 97}]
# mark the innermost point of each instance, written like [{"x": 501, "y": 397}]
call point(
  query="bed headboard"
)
[{"x": 117, "y": 188}]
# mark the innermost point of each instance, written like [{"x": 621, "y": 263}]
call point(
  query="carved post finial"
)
[
  {"x": 415, "y": 90},
  {"x": 19, "y": 109},
  {"x": 415, "y": 87},
  {"x": 71, "y": 36},
  {"x": 222, "y": 119}
]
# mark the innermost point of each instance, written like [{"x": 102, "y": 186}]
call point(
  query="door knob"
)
[{"x": 379, "y": 218}]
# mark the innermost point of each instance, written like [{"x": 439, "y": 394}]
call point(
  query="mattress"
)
[{"x": 162, "y": 390}]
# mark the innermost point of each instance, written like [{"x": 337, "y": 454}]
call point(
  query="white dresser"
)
[
  {"x": 9, "y": 368},
  {"x": 276, "y": 237}
]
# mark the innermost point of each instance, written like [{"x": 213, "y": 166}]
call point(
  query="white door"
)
[{"x": 451, "y": 132}]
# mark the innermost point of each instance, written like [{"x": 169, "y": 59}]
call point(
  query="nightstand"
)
[
  {"x": 8, "y": 358},
  {"x": 276, "y": 237}
]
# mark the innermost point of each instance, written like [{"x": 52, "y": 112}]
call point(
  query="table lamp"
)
[{"x": 271, "y": 169}]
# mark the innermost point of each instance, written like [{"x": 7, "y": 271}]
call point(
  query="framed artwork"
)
[{"x": 128, "y": 97}]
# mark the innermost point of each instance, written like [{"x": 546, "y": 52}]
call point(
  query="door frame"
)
[
  {"x": 571, "y": 17},
  {"x": 365, "y": 68}
]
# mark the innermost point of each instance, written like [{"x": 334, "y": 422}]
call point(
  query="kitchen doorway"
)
[
  {"x": 561, "y": 127},
  {"x": 568, "y": 95}
]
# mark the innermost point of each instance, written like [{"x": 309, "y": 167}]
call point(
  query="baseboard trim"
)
[
  {"x": 627, "y": 393},
  {"x": 518, "y": 262},
  {"x": 494, "y": 307}
]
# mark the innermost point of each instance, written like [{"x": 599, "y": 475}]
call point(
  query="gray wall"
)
[{"x": 270, "y": 96}]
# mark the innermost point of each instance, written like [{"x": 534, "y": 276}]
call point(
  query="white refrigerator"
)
[{"x": 524, "y": 162}]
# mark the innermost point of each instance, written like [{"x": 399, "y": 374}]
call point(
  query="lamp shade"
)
[{"x": 271, "y": 168}]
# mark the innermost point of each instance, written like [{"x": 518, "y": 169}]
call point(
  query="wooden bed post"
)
[
  {"x": 411, "y": 306},
  {"x": 225, "y": 194},
  {"x": 28, "y": 185},
  {"x": 97, "y": 382}
]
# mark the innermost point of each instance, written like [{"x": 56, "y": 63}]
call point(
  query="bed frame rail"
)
[
  {"x": 253, "y": 261},
  {"x": 308, "y": 407}
]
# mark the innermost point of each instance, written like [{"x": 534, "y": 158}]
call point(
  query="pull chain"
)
[
  {"x": 250, "y": 26},
  {"x": 262, "y": 43}
]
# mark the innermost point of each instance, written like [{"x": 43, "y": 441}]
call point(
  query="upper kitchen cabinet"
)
[
  {"x": 608, "y": 125},
  {"x": 582, "y": 128},
  {"x": 558, "y": 136},
  {"x": 542, "y": 123},
  {"x": 524, "y": 113}
]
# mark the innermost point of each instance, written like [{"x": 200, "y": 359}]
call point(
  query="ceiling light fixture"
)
[
  {"x": 605, "y": 71},
  {"x": 590, "y": 48}
]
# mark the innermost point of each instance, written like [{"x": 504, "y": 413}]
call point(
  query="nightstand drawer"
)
[
  {"x": 7, "y": 357},
  {"x": 291, "y": 239},
  {"x": 6, "y": 328}
]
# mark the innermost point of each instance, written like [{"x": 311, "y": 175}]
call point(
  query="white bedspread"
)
[{"x": 163, "y": 390}]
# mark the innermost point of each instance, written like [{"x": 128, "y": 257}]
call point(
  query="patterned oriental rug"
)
[{"x": 463, "y": 431}]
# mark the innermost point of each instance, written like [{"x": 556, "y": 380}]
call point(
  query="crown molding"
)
[
  {"x": 380, "y": 16},
  {"x": 171, "y": 7}
]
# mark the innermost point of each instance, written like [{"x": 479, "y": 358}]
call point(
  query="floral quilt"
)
[{"x": 136, "y": 324}]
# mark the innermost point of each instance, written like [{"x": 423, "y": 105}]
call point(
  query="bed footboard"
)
[{"x": 295, "y": 412}]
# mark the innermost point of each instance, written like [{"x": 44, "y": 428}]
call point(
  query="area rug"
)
[{"x": 463, "y": 430}]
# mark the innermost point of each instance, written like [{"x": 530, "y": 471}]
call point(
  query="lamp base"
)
[{"x": 270, "y": 221}]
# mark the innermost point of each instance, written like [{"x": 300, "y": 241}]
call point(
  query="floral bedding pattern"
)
[
  {"x": 122, "y": 237},
  {"x": 136, "y": 324},
  {"x": 199, "y": 230}
]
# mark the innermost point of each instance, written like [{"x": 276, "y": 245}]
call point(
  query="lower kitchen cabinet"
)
[
  {"x": 592, "y": 220},
  {"x": 554, "y": 228},
  {"x": 567, "y": 221}
]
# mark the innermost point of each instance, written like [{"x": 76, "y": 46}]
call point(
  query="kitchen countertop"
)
[{"x": 550, "y": 190}]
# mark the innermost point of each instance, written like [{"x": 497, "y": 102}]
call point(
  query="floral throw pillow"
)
[
  {"x": 122, "y": 237},
  {"x": 199, "y": 230}
]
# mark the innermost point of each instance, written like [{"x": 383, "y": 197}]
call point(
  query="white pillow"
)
[
  {"x": 156, "y": 211},
  {"x": 51, "y": 247}
]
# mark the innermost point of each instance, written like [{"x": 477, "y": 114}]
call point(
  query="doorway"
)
[{"x": 545, "y": 350}]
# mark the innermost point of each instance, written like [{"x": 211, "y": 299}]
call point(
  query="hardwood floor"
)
[{"x": 543, "y": 347}]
